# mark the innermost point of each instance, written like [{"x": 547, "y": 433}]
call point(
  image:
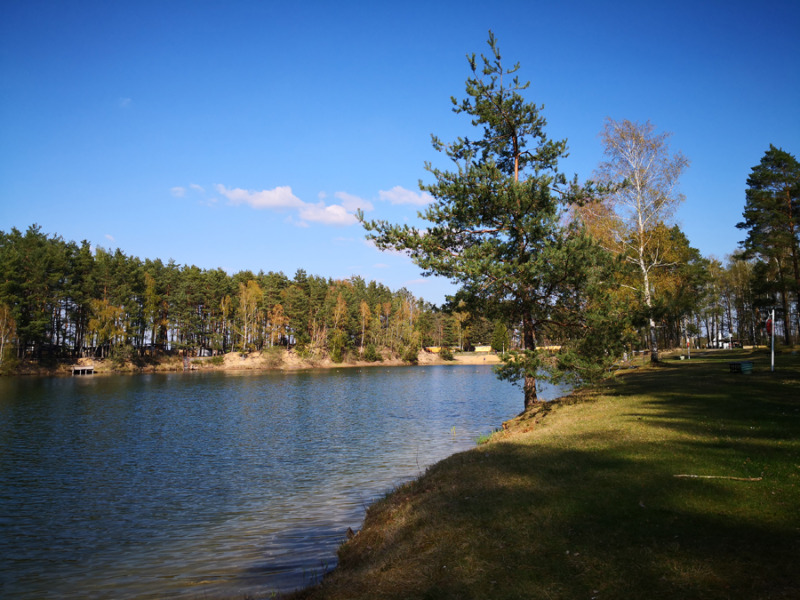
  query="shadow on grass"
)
[
  {"x": 598, "y": 512},
  {"x": 538, "y": 523}
]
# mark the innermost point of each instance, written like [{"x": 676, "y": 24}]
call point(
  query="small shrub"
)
[
  {"x": 371, "y": 354},
  {"x": 121, "y": 355},
  {"x": 303, "y": 350},
  {"x": 410, "y": 354},
  {"x": 9, "y": 362},
  {"x": 446, "y": 354},
  {"x": 273, "y": 357},
  {"x": 217, "y": 361},
  {"x": 337, "y": 341}
]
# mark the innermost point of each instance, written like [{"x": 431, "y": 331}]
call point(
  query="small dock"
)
[{"x": 81, "y": 370}]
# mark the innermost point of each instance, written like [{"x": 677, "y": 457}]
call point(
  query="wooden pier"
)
[{"x": 81, "y": 370}]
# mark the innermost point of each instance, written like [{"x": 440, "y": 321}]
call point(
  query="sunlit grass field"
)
[{"x": 677, "y": 481}]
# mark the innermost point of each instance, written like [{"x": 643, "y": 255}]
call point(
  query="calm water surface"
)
[{"x": 215, "y": 485}]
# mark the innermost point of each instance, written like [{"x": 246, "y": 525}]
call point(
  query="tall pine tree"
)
[
  {"x": 496, "y": 229},
  {"x": 772, "y": 221}
]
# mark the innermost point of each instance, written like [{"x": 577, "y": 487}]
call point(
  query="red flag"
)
[{"x": 769, "y": 326}]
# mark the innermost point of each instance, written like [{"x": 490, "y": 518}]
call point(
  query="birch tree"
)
[
  {"x": 643, "y": 174},
  {"x": 277, "y": 324},
  {"x": 250, "y": 295}
]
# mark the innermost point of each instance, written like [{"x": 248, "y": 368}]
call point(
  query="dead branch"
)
[{"x": 719, "y": 477}]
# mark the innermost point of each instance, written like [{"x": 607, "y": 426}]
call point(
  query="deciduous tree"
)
[
  {"x": 250, "y": 295},
  {"x": 643, "y": 174}
]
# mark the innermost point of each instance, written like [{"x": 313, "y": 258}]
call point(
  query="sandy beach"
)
[{"x": 254, "y": 361}]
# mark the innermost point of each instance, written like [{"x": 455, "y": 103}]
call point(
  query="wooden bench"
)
[{"x": 745, "y": 366}]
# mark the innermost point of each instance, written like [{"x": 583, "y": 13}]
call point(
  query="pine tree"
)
[
  {"x": 496, "y": 227},
  {"x": 772, "y": 221}
]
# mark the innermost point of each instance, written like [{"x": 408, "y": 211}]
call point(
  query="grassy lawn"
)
[{"x": 582, "y": 499}]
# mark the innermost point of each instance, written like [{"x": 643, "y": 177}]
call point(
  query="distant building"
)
[{"x": 724, "y": 342}]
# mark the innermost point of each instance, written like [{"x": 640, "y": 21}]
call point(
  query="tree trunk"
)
[
  {"x": 730, "y": 316},
  {"x": 795, "y": 261},
  {"x": 787, "y": 339},
  {"x": 648, "y": 300},
  {"x": 653, "y": 342},
  {"x": 531, "y": 399},
  {"x": 529, "y": 342}
]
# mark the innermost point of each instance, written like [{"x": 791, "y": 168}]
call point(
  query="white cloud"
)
[
  {"x": 109, "y": 237},
  {"x": 380, "y": 266},
  {"x": 280, "y": 197},
  {"x": 178, "y": 191},
  {"x": 197, "y": 188},
  {"x": 353, "y": 203},
  {"x": 400, "y": 195},
  {"x": 333, "y": 214},
  {"x": 124, "y": 102}
]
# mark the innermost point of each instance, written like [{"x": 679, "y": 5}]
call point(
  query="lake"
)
[{"x": 215, "y": 485}]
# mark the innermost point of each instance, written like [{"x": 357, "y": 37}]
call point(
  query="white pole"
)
[{"x": 772, "y": 359}]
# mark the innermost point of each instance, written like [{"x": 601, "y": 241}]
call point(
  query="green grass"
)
[
  {"x": 217, "y": 361},
  {"x": 580, "y": 499}
]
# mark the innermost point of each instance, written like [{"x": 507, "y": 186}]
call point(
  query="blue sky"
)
[{"x": 243, "y": 135}]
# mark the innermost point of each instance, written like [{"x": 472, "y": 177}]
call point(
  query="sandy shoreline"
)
[{"x": 254, "y": 361}]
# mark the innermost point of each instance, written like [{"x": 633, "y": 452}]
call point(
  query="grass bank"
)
[{"x": 680, "y": 481}]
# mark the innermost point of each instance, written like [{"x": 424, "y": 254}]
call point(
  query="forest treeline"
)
[{"x": 62, "y": 300}]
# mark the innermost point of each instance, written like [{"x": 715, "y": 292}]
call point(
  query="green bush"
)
[
  {"x": 337, "y": 342},
  {"x": 9, "y": 362},
  {"x": 446, "y": 354},
  {"x": 371, "y": 354},
  {"x": 410, "y": 354},
  {"x": 122, "y": 354},
  {"x": 303, "y": 350}
]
